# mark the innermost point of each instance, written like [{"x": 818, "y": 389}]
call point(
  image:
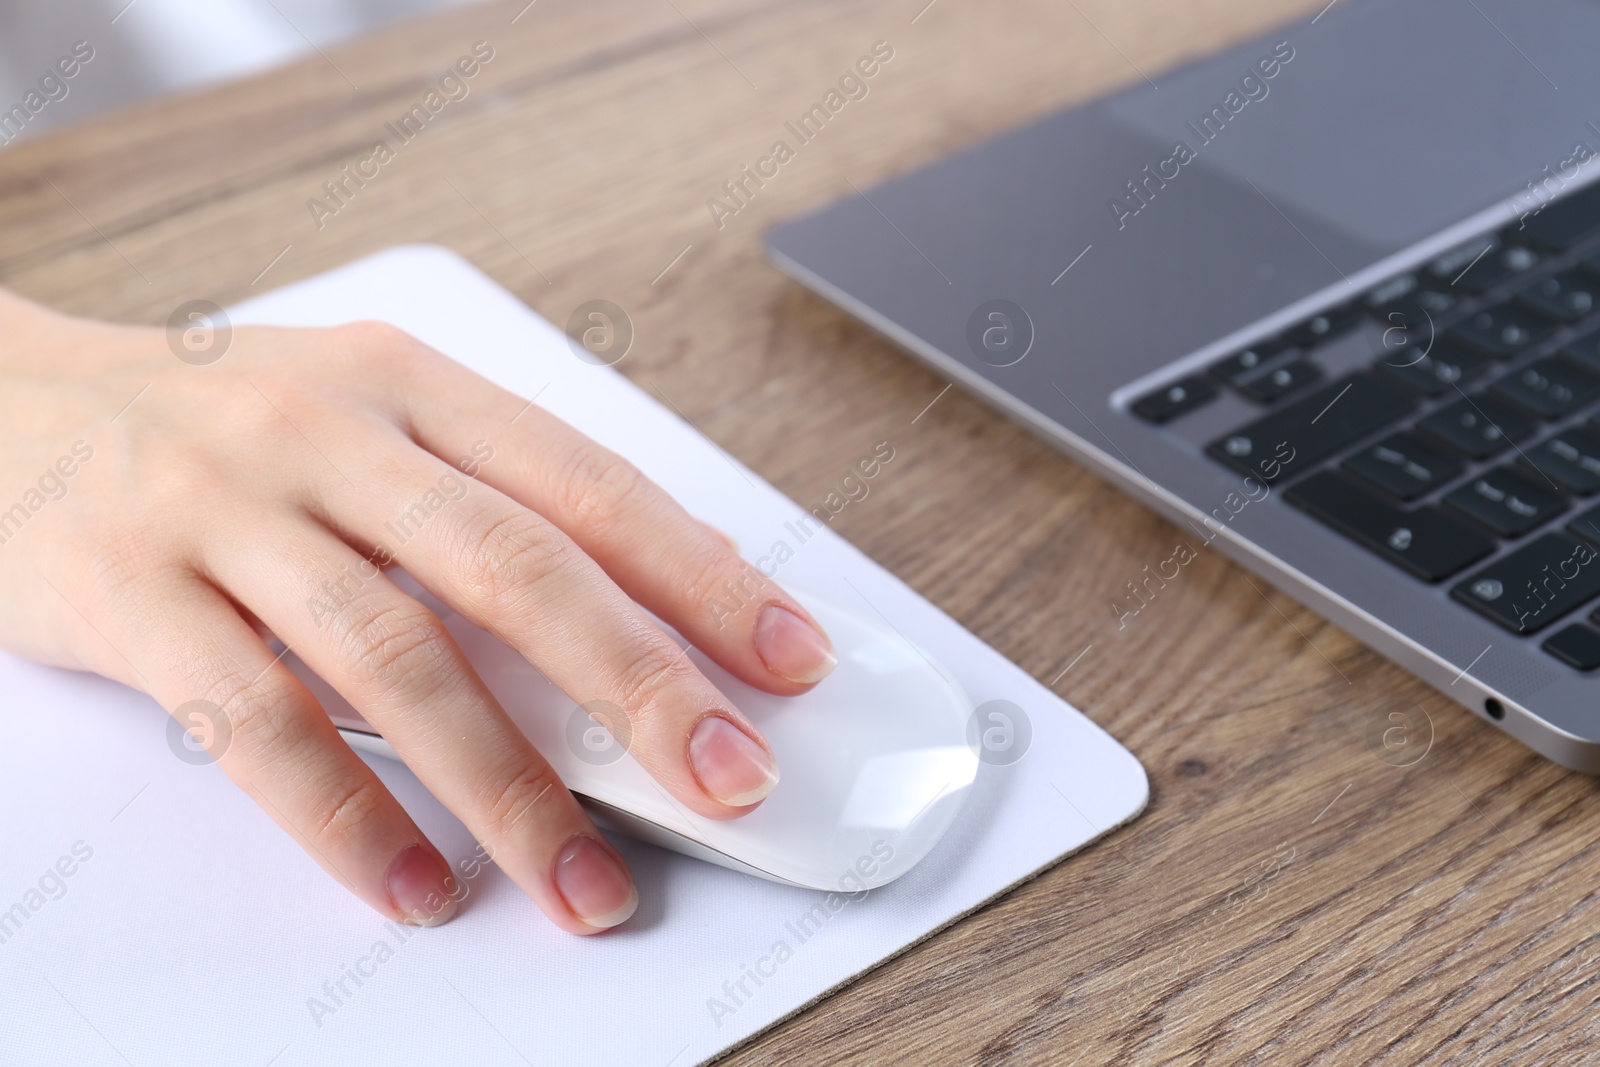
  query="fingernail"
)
[
  {"x": 791, "y": 647},
  {"x": 730, "y": 766},
  {"x": 595, "y": 886},
  {"x": 421, "y": 888}
]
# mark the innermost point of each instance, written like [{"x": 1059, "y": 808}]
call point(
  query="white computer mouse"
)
[{"x": 875, "y": 760}]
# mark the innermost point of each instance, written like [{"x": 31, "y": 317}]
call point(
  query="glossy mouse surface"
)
[{"x": 875, "y": 761}]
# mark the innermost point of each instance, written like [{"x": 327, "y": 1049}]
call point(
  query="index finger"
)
[{"x": 675, "y": 566}]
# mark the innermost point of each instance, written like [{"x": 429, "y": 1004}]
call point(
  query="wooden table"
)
[{"x": 1290, "y": 897}]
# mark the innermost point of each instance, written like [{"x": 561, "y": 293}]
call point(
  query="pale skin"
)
[{"x": 217, "y": 504}]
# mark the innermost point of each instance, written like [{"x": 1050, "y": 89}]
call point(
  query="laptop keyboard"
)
[{"x": 1477, "y": 430}]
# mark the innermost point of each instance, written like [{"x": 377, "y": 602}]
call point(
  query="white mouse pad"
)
[{"x": 150, "y": 914}]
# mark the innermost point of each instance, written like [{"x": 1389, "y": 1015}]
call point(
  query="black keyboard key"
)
[
  {"x": 1567, "y": 223},
  {"x": 1323, "y": 326},
  {"x": 1402, "y": 342},
  {"x": 1309, "y": 430},
  {"x": 1387, "y": 296},
  {"x": 1405, "y": 292},
  {"x": 1567, "y": 296},
  {"x": 1279, "y": 381},
  {"x": 1587, "y": 525},
  {"x": 1483, "y": 263},
  {"x": 1502, "y": 331},
  {"x": 1549, "y": 387},
  {"x": 1449, "y": 266},
  {"x": 1506, "y": 502},
  {"x": 1248, "y": 363},
  {"x": 1571, "y": 459},
  {"x": 1428, "y": 542},
  {"x": 1585, "y": 352},
  {"x": 1434, "y": 369},
  {"x": 1577, "y": 646},
  {"x": 1404, "y": 465},
  {"x": 1409, "y": 300},
  {"x": 1478, "y": 426},
  {"x": 1535, "y": 585},
  {"x": 1173, "y": 400}
]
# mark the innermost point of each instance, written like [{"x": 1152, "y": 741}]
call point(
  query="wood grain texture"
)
[{"x": 1289, "y": 897}]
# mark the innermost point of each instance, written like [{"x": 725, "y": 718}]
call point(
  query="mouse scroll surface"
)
[{"x": 874, "y": 761}]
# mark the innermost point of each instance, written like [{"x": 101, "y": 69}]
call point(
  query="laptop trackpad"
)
[{"x": 1391, "y": 120}]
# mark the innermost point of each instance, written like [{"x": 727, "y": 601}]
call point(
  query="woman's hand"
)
[{"x": 158, "y": 519}]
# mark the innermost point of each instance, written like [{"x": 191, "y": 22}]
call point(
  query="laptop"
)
[{"x": 1330, "y": 300}]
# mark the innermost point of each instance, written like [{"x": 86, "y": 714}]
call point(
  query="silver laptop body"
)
[{"x": 1094, "y": 273}]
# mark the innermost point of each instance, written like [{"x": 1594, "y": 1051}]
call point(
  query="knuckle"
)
[
  {"x": 115, "y": 577},
  {"x": 188, "y": 473},
  {"x": 716, "y": 573},
  {"x": 276, "y": 413},
  {"x": 642, "y": 680},
  {"x": 261, "y": 716},
  {"x": 530, "y": 790},
  {"x": 598, "y": 487},
  {"x": 344, "y": 814},
  {"x": 373, "y": 338},
  {"x": 401, "y": 649},
  {"x": 370, "y": 347},
  {"x": 511, "y": 556}
]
